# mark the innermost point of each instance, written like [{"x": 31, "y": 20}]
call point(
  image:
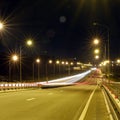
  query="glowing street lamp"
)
[
  {"x": 37, "y": 61},
  {"x": 50, "y": 61},
  {"x": 66, "y": 63},
  {"x": 57, "y": 62},
  {"x": 63, "y": 62},
  {"x": 14, "y": 58},
  {"x": 1, "y": 26},
  {"x": 28, "y": 43},
  {"x": 118, "y": 61},
  {"x": 96, "y": 51},
  {"x": 96, "y": 41},
  {"x": 96, "y": 57}
]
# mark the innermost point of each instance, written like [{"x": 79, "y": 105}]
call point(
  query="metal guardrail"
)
[{"x": 114, "y": 100}]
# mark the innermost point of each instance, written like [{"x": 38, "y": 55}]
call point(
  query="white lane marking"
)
[
  {"x": 82, "y": 116},
  {"x": 50, "y": 93},
  {"x": 107, "y": 106},
  {"x": 30, "y": 99}
]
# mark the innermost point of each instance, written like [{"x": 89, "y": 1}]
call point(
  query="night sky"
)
[{"x": 62, "y": 28}]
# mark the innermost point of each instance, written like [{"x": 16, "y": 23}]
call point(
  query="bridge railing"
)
[
  {"x": 113, "y": 96},
  {"x": 8, "y": 86}
]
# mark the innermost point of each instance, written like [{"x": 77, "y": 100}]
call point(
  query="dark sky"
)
[{"x": 61, "y": 27}]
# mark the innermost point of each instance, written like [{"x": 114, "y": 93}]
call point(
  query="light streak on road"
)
[{"x": 66, "y": 80}]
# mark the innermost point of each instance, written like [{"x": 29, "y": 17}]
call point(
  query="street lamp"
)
[
  {"x": 96, "y": 51},
  {"x": 36, "y": 61},
  {"x": 97, "y": 57},
  {"x": 28, "y": 43},
  {"x": 96, "y": 41},
  {"x": 1, "y": 25},
  {"x": 58, "y": 63},
  {"x": 46, "y": 69},
  {"x": 14, "y": 58},
  {"x": 50, "y": 61},
  {"x": 108, "y": 42},
  {"x": 118, "y": 60}
]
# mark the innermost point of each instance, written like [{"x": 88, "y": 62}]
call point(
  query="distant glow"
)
[
  {"x": 63, "y": 62},
  {"x": 57, "y": 62},
  {"x": 66, "y": 63},
  {"x": 50, "y": 61},
  {"x": 104, "y": 63},
  {"x": 71, "y": 63},
  {"x": 108, "y": 61},
  {"x": 96, "y": 57},
  {"x": 118, "y": 61},
  {"x": 6, "y": 85},
  {"x": 38, "y": 60},
  {"x": 2, "y": 85},
  {"x": 78, "y": 63}
]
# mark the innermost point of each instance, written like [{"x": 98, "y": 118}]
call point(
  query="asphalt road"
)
[{"x": 63, "y": 103}]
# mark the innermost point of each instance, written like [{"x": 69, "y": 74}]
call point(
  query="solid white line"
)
[
  {"x": 82, "y": 116},
  {"x": 30, "y": 99}
]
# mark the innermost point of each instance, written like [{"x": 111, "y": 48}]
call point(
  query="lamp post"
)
[
  {"x": 58, "y": 63},
  {"x": 46, "y": 69},
  {"x": 28, "y": 43},
  {"x": 108, "y": 42},
  {"x": 20, "y": 64},
  {"x": 14, "y": 58},
  {"x": 38, "y": 61}
]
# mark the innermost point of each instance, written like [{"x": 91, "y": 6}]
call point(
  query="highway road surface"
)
[{"x": 83, "y": 101}]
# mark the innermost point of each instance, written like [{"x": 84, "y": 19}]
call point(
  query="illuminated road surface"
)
[{"x": 64, "y": 103}]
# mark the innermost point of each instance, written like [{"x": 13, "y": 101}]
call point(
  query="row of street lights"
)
[
  {"x": 96, "y": 51},
  {"x": 106, "y": 46},
  {"x": 15, "y": 58}
]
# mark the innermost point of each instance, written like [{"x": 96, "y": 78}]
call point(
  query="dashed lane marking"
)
[{"x": 30, "y": 99}]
